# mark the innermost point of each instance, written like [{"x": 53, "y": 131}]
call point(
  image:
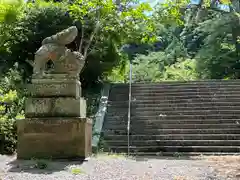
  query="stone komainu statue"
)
[{"x": 63, "y": 59}]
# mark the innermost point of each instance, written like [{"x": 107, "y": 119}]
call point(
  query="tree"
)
[
  {"x": 103, "y": 29},
  {"x": 206, "y": 36},
  {"x": 120, "y": 23},
  {"x": 9, "y": 13}
]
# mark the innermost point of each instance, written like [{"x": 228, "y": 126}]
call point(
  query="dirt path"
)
[{"x": 111, "y": 167}]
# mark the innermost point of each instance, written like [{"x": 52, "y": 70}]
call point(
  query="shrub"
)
[
  {"x": 149, "y": 69},
  {"x": 8, "y": 130},
  {"x": 92, "y": 96},
  {"x": 181, "y": 71},
  {"x": 8, "y": 138},
  {"x": 11, "y": 104}
]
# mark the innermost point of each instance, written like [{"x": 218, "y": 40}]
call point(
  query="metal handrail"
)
[{"x": 129, "y": 106}]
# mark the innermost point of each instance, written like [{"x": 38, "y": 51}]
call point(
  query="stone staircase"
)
[{"x": 174, "y": 117}]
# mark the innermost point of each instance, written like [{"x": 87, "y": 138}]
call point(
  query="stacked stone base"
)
[
  {"x": 56, "y": 126},
  {"x": 54, "y": 138}
]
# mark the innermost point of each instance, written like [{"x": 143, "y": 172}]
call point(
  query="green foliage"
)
[
  {"x": 218, "y": 57},
  {"x": 8, "y": 136},
  {"x": 11, "y": 109},
  {"x": 171, "y": 12},
  {"x": 183, "y": 70},
  {"x": 148, "y": 68},
  {"x": 10, "y": 11},
  {"x": 103, "y": 29},
  {"x": 120, "y": 72},
  {"x": 116, "y": 75},
  {"x": 122, "y": 22},
  {"x": 26, "y": 34},
  {"x": 207, "y": 37},
  {"x": 105, "y": 26},
  {"x": 92, "y": 96},
  {"x": 76, "y": 171}
]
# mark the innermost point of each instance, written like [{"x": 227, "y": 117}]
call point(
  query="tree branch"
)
[
  {"x": 30, "y": 62},
  {"x": 81, "y": 42},
  {"x": 90, "y": 40},
  {"x": 91, "y": 37}
]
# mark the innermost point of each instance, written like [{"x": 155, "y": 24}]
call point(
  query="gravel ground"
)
[
  {"x": 229, "y": 166},
  {"x": 108, "y": 167}
]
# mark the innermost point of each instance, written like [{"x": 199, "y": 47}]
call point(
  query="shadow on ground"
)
[
  {"x": 103, "y": 166},
  {"x": 42, "y": 166}
]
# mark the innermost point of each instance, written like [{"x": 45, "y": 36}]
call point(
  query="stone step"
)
[
  {"x": 178, "y": 97},
  {"x": 190, "y": 87},
  {"x": 182, "y": 94},
  {"x": 136, "y": 125},
  {"x": 158, "y": 100},
  {"x": 209, "y": 81},
  {"x": 156, "y": 131},
  {"x": 171, "y": 113},
  {"x": 190, "y": 121},
  {"x": 156, "y": 108},
  {"x": 121, "y": 149},
  {"x": 143, "y": 137},
  {"x": 156, "y": 143},
  {"x": 174, "y": 84},
  {"x": 186, "y": 88},
  {"x": 184, "y": 155},
  {"x": 179, "y": 93},
  {"x": 174, "y": 117},
  {"x": 149, "y": 104},
  {"x": 182, "y": 89}
]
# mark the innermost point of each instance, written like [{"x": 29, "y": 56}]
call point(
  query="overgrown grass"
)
[{"x": 76, "y": 170}]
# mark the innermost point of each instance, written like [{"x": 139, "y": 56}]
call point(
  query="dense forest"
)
[{"x": 172, "y": 41}]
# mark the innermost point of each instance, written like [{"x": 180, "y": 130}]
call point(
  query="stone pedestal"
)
[
  {"x": 56, "y": 125},
  {"x": 55, "y": 107},
  {"x": 54, "y": 138}
]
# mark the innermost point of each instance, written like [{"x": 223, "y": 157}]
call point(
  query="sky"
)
[{"x": 152, "y": 2}]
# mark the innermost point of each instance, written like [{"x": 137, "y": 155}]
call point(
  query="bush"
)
[
  {"x": 92, "y": 96},
  {"x": 8, "y": 138},
  {"x": 181, "y": 71},
  {"x": 149, "y": 69},
  {"x": 24, "y": 36},
  {"x": 11, "y": 105}
]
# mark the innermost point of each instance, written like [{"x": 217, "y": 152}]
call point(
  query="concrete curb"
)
[{"x": 100, "y": 115}]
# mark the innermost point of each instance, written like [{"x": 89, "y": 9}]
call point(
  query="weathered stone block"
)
[
  {"x": 55, "y": 88},
  {"x": 55, "y": 107},
  {"x": 55, "y": 138},
  {"x": 64, "y": 77}
]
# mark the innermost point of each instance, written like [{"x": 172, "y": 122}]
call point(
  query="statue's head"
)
[
  {"x": 63, "y": 37},
  {"x": 63, "y": 60}
]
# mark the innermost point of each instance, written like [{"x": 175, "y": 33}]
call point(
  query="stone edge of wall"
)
[{"x": 100, "y": 115}]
